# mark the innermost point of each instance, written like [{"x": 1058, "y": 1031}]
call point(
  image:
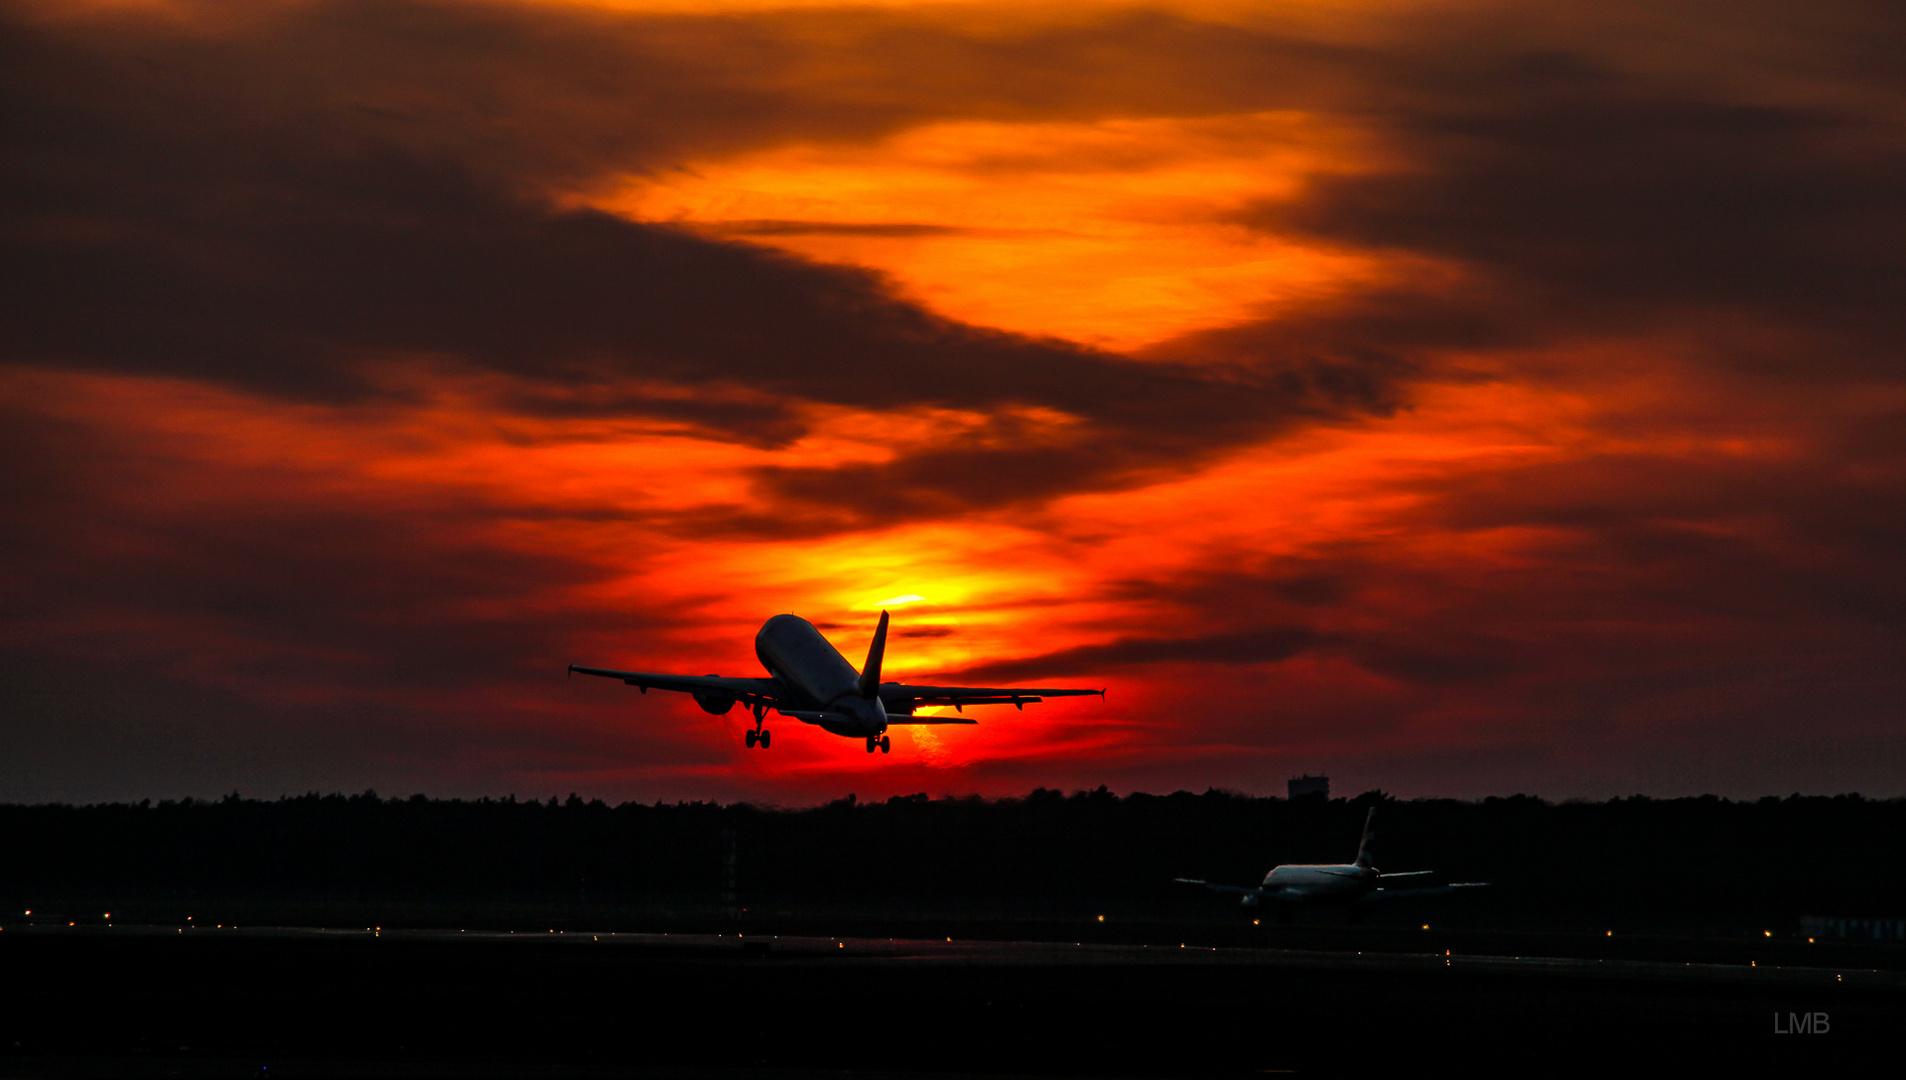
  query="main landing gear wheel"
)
[
  {"x": 764, "y": 739},
  {"x": 758, "y": 738},
  {"x": 883, "y": 744},
  {"x": 750, "y": 740},
  {"x": 871, "y": 743}
]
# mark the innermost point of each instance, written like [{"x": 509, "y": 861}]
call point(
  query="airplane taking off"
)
[
  {"x": 1340, "y": 884},
  {"x": 813, "y": 683}
]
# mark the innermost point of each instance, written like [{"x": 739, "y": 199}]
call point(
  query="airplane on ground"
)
[
  {"x": 812, "y": 682},
  {"x": 1339, "y": 884}
]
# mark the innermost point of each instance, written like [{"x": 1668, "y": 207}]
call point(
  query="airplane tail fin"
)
[
  {"x": 870, "y": 671},
  {"x": 1369, "y": 834}
]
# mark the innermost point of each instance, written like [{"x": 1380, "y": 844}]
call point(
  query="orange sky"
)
[{"x": 1344, "y": 389}]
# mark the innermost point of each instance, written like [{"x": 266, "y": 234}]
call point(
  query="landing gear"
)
[
  {"x": 883, "y": 744},
  {"x": 759, "y": 736},
  {"x": 877, "y": 742},
  {"x": 871, "y": 743},
  {"x": 749, "y": 738}
]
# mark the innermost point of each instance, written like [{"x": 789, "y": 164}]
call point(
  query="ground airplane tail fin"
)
[
  {"x": 870, "y": 671},
  {"x": 1363, "y": 846}
]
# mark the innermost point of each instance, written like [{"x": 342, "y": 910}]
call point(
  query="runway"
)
[
  {"x": 955, "y": 952},
  {"x": 374, "y": 1001}
]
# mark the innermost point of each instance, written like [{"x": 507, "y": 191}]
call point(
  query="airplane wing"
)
[
  {"x": 766, "y": 692},
  {"x": 903, "y": 698},
  {"x": 1245, "y": 889},
  {"x": 1434, "y": 890}
]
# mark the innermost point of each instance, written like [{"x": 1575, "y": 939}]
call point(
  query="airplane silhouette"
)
[{"x": 812, "y": 682}]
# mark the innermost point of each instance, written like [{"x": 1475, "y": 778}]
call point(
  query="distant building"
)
[{"x": 1307, "y": 784}]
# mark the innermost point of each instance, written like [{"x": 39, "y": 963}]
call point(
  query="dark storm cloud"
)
[
  {"x": 282, "y": 198},
  {"x": 107, "y": 532},
  {"x": 1154, "y": 417},
  {"x": 1589, "y": 198},
  {"x": 293, "y": 203},
  {"x": 287, "y": 201},
  {"x": 1770, "y": 543}
]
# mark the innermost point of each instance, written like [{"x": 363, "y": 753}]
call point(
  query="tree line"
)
[{"x": 1688, "y": 858}]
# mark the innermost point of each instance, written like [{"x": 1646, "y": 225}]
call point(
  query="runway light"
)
[
  {"x": 1809, "y": 941},
  {"x": 1101, "y": 918},
  {"x": 1426, "y": 926},
  {"x": 1253, "y": 922},
  {"x": 1766, "y": 933},
  {"x": 1611, "y": 933}
]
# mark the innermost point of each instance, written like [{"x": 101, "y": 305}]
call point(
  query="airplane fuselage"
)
[
  {"x": 1318, "y": 883},
  {"x": 793, "y": 651}
]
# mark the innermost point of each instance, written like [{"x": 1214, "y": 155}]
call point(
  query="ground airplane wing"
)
[
  {"x": 903, "y": 698},
  {"x": 1432, "y": 890},
  {"x": 751, "y": 691},
  {"x": 1245, "y": 889}
]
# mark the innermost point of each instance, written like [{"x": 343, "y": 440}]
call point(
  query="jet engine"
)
[{"x": 714, "y": 703}]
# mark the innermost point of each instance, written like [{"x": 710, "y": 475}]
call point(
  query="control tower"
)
[{"x": 1307, "y": 785}]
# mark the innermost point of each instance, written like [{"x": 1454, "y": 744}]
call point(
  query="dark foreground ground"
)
[{"x": 157, "y": 1000}]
